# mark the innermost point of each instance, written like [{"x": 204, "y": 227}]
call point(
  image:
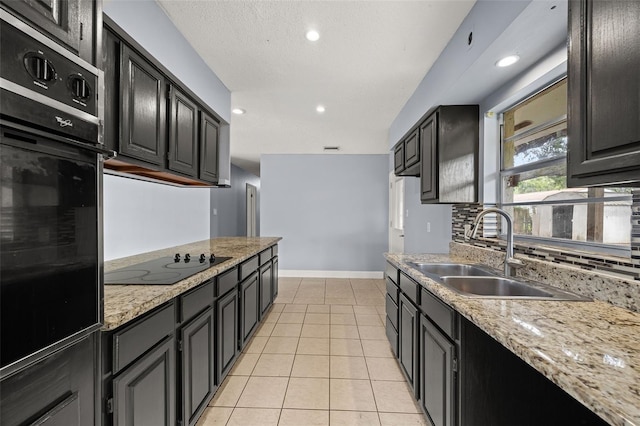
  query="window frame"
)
[{"x": 588, "y": 247}]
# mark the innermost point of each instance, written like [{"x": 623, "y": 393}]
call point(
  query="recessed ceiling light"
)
[
  {"x": 320, "y": 108},
  {"x": 507, "y": 60},
  {"x": 238, "y": 111},
  {"x": 312, "y": 35}
]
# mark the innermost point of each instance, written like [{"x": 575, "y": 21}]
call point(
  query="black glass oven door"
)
[{"x": 49, "y": 287}]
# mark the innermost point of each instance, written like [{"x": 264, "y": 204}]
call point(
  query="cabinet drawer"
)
[
  {"x": 196, "y": 300},
  {"x": 392, "y": 311},
  {"x": 410, "y": 288},
  {"x": 392, "y": 335},
  {"x": 138, "y": 338},
  {"x": 392, "y": 273},
  {"x": 248, "y": 267},
  {"x": 438, "y": 312},
  {"x": 265, "y": 255},
  {"x": 392, "y": 290},
  {"x": 226, "y": 281},
  {"x": 274, "y": 250}
]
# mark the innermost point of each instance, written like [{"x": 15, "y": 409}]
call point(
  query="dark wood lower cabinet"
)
[
  {"x": 438, "y": 375},
  {"x": 144, "y": 393},
  {"x": 164, "y": 367},
  {"x": 249, "y": 305},
  {"x": 499, "y": 388},
  {"x": 266, "y": 292},
  {"x": 226, "y": 334},
  {"x": 274, "y": 282},
  {"x": 198, "y": 366},
  {"x": 59, "y": 390},
  {"x": 462, "y": 376},
  {"x": 408, "y": 322}
]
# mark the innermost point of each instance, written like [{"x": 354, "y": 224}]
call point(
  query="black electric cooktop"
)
[{"x": 163, "y": 271}]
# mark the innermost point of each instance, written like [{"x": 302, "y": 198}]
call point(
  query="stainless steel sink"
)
[
  {"x": 480, "y": 282},
  {"x": 493, "y": 286},
  {"x": 450, "y": 269}
]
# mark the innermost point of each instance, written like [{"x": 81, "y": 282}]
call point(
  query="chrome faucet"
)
[{"x": 510, "y": 263}]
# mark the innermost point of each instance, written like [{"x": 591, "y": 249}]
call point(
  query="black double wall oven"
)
[{"x": 51, "y": 194}]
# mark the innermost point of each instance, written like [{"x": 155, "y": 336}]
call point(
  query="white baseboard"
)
[{"x": 331, "y": 274}]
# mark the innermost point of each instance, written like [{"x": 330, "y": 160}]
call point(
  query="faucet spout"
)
[{"x": 510, "y": 262}]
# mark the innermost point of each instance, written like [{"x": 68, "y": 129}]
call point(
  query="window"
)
[{"x": 533, "y": 180}]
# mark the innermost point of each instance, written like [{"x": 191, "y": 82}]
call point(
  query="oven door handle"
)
[{"x": 106, "y": 153}]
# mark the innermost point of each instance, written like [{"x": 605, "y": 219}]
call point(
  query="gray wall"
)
[
  {"x": 228, "y": 205},
  {"x": 488, "y": 19},
  {"x": 447, "y": 82},
  {"x": 331, "y": 210},
  {"x": 141, "y": 216},
  {"x": 147, "y": 23},
  {"x": 427, "y": 229}
]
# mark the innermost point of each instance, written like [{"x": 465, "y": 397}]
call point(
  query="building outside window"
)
[{"x": 533, "y": 182}]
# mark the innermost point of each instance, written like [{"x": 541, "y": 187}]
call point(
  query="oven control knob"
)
[
  {"x": 39, "y": 67},
  {"x": 79, "y": 87},
  {"x": 187, "y": 258},
  {"x": 212, "y": 258},
  {"x": 176, "y": 258},
  {"x": 202, "y": 258}
]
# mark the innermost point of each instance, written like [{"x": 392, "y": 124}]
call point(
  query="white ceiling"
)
[{"x": 369, "y": 60}]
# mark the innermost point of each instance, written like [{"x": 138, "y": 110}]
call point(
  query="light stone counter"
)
[
  {"x": 122, "y": 303},
  {"x": 589, "y": 349}
]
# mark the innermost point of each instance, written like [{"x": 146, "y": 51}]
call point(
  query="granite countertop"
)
[
  {"x": 589, "y": 349},
  {"x": 122, "y": 303}
]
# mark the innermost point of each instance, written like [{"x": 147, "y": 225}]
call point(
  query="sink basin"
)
[
  {"x": 450, "y": 269},
  {"x": 478, "y": 282},
  {"x": 493, "y": 286},
  {"x": 505, "y": 288}
]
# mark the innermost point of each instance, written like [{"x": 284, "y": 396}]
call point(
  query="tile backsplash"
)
[
  {"x": 612, "y": 279},
  {"x": 628, "y": 268}
]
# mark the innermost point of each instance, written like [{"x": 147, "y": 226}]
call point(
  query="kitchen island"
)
[{"x": 591, "y": 350}]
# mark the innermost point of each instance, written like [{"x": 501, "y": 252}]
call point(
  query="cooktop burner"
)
[{"x": 163, "y": 271}]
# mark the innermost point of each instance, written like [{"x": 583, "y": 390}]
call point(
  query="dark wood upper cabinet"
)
[
  {"x": 209, "y": 137},
  {"x": 143, "y": 114},
  {"x": 407, "y": 155},
  {"x": 160, "y": 128},
  {"x": 71, "y": 23},
  {"x": 183, "y": 133},
  {"x": 450, "y": 154},
  {"x": 398, "y": 158},
  {"x": 603, "y": 93},
  {"x": 429, "y": 160},
  {"x": 412, "y": 150}
]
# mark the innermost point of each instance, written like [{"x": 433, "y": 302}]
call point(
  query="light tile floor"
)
[{"x": 320, "y": 357}]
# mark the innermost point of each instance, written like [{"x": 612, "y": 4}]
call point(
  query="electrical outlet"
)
[{"x": 467, "y": 231}]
